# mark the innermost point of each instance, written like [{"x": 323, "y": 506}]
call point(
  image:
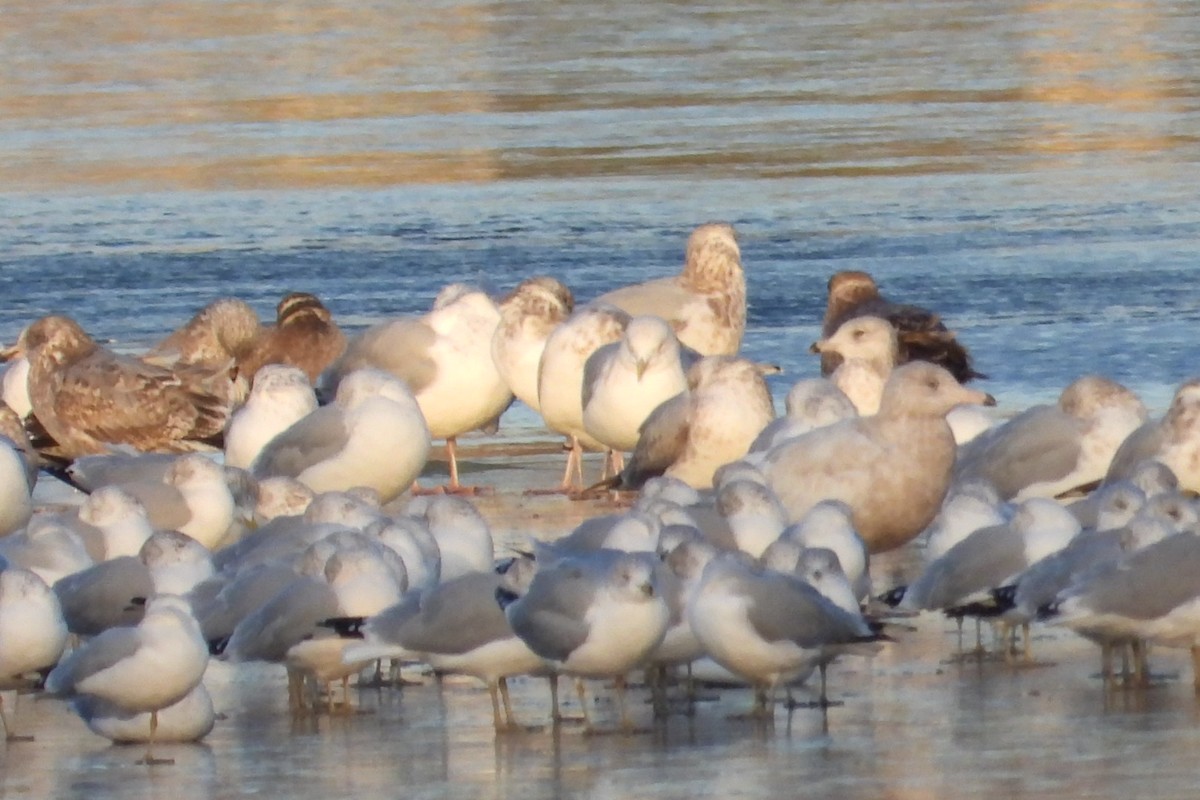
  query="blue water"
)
[{"x": 1028, "y": 172}]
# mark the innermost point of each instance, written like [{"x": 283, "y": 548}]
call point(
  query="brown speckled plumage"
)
[
  {"x": 87, "y": 398},
  {"x": 921, "y": 334},
  {"x": 304, "y": 336}
]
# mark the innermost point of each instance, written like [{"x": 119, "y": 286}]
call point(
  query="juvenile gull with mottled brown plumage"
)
[
  {"x": 706, "y": 302},
  {"x": 304, "y": 336},
  {"x": 88, "y": 398}
]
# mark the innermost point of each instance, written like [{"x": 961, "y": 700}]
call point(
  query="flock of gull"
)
[{"x": 251, "y": 493}]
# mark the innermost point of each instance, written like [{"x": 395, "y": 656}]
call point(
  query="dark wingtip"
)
[
  {"x": 893, "y": 596},
  {"x": 345, "y": 627},
  {"x": 506, "y": 597}
]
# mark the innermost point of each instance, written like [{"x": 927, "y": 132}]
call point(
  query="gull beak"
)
[
  {"x": 976, "y": 397},
  {"x": 648, "y": 589},
  {"x": 9, "y": 353},
  {"x": 818, "y": 346},
  {"x": 641, "y": 366}
]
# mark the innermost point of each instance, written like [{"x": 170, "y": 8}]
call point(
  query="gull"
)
[
  {"x": 706, "y": 303},
  {"x": 281, "y": 496},
  {"x": 104, "y": 595},
  {"x": 1173, "y": 440},
  {"x": 16, "y": 488},
  {"x": 462, "y": 535},
  {"x": 372, "y": 435},
  {"x": 921, "y": 334},
  {"x": 142, "y": 669},
  {"x": 991, "y": 557},
  {"x": 218, "y": 337},
  {"x": 753, "y": 514},
  {"x": 868, "y": 349},
  {"x": 1128, "y": 522},
  {"x": 445, "y": 358},
  {"x": 597, "y": 615},
  {"x": 725, "y": 406},
  {"x": 193, "y": 498},
  {"x": 1050, "y": 450},
  {"x": 968, "y": 507},
  {"x": 893, "y": 469},
  {"x": 280, "y": 397},
  {"x": 187, "y": 720},
  {"x": 829, "y": 525},
  {"x": 528, "y": 316},
  {"x": 626, "y": 380},
  {"x": 304, "y": 336},
  {"x": 32, "y": 631},
  {"x": 769, "y": 628},
  {"x": 89, "y": 399},
  {"x": 14, "y": 386},
  {"x": 1152, "y": 594},
  {"x": 457, "y": 627},
  {"x": 561, "y": 379},
  {"x": 811, "y": 403},
  {"x": 46, "y": 547},
  {"x": 111, "y": 522}
]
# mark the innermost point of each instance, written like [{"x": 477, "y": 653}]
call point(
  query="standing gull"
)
[
  {"x": 88, "y": 398},
  {"x": 445, "y": 358},
  {"x": 561, "y": 377},
  {"x": 921, "y": 334},
  {"x": 769, "y": 628},
  {"x": 527, "y": 318},
  {"x": 626, "y": 380},
  {"x": 304, "y": 336},
  {"x": 32, "y": 631},
  {"x": 596, "y": 615},
  {"x": 706, "y": 303},
  {"x": 893, "y": 469}
]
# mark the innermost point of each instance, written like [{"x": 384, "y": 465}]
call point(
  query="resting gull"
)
[
  {"x": 561, "y": 375},
  {"x": 921, "y": 334},
  {"x": 142, "y": 669},
  {"x": 445, "y": 358},
  {"x": 88, "y": 398},
  {"x": 304, "y": 336},
  {"x": 1050, "y": 450},
  {"x": 706, "y": 302},
  {"x": 811, "y": 403},
  {"x": 1173, "y": 440},
  {"x": 32, "y": 632},
  {"x": 528, "y": 316},
  {"x": 726, "y": 405},
  {"x": 188, "y": 720},
  {"x": 218, "y": 337},
  {"x": 372, "y": 435},
  {"x": 893, "y": 469},
  {"x": 280, "y": 396}
]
